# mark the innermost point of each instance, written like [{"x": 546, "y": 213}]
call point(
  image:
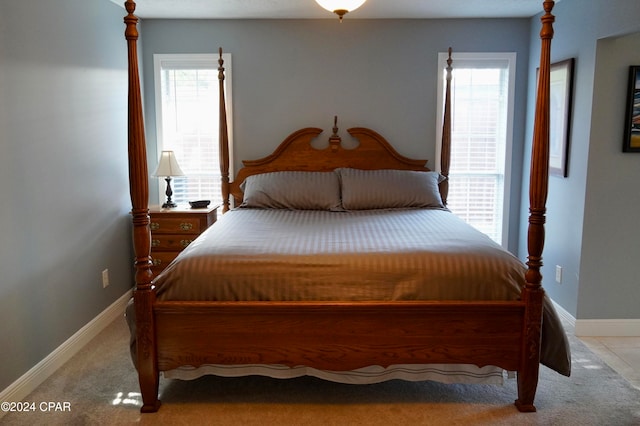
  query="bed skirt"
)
[{"x": 443, "y": 373}]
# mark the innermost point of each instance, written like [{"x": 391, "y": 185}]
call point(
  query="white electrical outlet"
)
[
  {"x": 105, "y": 278},
  {"x": 558, "y": 274}
]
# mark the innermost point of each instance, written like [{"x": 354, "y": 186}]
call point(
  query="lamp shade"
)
[
  {"x": 341, "y": 5},
  {"x": 168, "y": 165}
]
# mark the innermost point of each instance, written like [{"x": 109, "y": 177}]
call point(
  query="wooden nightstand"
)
[{"x": 173, "y": 229}]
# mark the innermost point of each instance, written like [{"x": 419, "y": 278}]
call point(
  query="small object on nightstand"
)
[{"x": 200, "y": 204}]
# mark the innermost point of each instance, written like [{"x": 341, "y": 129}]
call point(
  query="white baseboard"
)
[
  {"x": 29, "y": 381},
  {"x": 600, "y": 327},
  {"x": 564, "y": 314},
  {"x": 608, "y": 327}
]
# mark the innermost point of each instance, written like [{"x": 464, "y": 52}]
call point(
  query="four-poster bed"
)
[{"x": 176, "y": 324}]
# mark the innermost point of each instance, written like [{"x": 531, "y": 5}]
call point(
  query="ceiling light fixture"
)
[{"x": 340, "y": 7}]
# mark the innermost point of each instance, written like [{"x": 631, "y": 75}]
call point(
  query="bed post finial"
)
[
  {"x": 223, "y": 140},
  {"x": 335, "y": 140},
  {"x": 445, "y": 149}
]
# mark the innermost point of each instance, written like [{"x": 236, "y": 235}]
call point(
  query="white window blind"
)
[
  {"x": 481, "y": 105},
  {"x": 187, "y": 121}
]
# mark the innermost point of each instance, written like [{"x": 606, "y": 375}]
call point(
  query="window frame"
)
[
  {"x": 192, "y": 61},
  {"x": 510, "y": 58}
]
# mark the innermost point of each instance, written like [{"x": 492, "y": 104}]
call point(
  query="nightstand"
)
[{"x": 173, "y": 229}]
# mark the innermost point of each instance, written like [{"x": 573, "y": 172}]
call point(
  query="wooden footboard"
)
[
  {"x": 342, "y": 336},
  {"x": 339, "y": 336}
]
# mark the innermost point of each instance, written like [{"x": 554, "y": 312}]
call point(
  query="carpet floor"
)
[{"x": 100, "y": 386}]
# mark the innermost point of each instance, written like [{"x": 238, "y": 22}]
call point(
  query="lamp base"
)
[{"x": 169, "y": 205}]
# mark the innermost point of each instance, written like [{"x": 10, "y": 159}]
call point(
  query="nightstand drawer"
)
[
  {"x": 170, "y": 225},
  {"x": 171, "y": 241},
  {"x": 161, "y": 259},
  {"x": 172, "y": 230}
]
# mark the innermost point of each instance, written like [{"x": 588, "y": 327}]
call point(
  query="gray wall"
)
[
  {"x": 591, "y": 231},
  {"x": 63, "y": 173},
  {"x": 609, "y": 285},
  {"x": 289, "y": 74}
]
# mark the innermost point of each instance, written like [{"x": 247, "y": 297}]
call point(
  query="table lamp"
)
[{"x": 168, "y": 167}]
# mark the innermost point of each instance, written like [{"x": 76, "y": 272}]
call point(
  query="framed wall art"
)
[
  {"x": 632, "y": 116},
  {"x": 561, "y": 90}
]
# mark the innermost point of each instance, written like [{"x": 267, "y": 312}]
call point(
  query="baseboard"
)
[
  {"x": 564, "y": 315},
  {"x": 29, "y": 381},
  {"x": 600, "y": 327},
  {"x": 608, "y": 327}
]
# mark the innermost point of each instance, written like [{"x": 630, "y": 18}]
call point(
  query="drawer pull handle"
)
[
  {"x": 185, "y": 226},
  {"x": 155, "y": 243},
  {"x": 155, "y": 226},
  {"x": 157, "y": 262},
  {"x": 185, "y": 243}
]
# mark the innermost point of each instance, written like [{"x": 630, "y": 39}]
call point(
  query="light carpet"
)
[{"x": 100, "y": 385}]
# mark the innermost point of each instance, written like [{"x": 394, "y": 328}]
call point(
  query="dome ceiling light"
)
[{"x": 340, "y": 7}]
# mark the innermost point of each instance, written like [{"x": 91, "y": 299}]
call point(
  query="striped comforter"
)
[{"x": 398, "y": 254}]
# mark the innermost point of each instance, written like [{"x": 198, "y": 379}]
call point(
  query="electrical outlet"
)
[
  {"x": 558, "y": 274},
  {"x": 105, "y": 278}
]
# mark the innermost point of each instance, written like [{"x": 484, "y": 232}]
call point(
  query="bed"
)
[{"x": 340, "y": 269}]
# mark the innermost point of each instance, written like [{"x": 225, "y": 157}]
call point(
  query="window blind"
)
[
  {"x": 481, "y": 121},
  {"x": 187, "y": 122}
]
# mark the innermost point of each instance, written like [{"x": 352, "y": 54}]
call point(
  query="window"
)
[
  {"x": 482, "y": 93},
  {"x": 187, "y": 121}
]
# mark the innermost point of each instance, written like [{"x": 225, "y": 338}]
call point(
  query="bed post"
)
[
  {"x": 445, "y": 149},
  {"x": 533, "y": 292},
  {"x": 143, "y": 294},
  {"x": 223, "y": 137}
]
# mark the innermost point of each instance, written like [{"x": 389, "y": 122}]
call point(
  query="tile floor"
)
[{"x": 620, "y": 353}]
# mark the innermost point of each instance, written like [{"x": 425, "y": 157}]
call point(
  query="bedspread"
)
[{"x": 399, "y": 254}]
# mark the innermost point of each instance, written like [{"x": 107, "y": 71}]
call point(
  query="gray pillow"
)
[
  {"x": 386, "y": 189},
  {"x": 292, "y": 190}
]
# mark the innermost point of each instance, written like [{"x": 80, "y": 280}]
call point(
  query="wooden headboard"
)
[{"x": 297, "y": 153}]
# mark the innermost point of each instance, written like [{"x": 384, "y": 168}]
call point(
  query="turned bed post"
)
[
  {"x": 445, "y": 149},
  {"x": 223, "y": 136},
  {"x": 143, "y": 294},
  {"x": 533, "y": 293}
]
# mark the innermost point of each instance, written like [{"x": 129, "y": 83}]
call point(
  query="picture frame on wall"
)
[
  {"x": 561, "y": 90},
  {"x": 632, "y": 116}
]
